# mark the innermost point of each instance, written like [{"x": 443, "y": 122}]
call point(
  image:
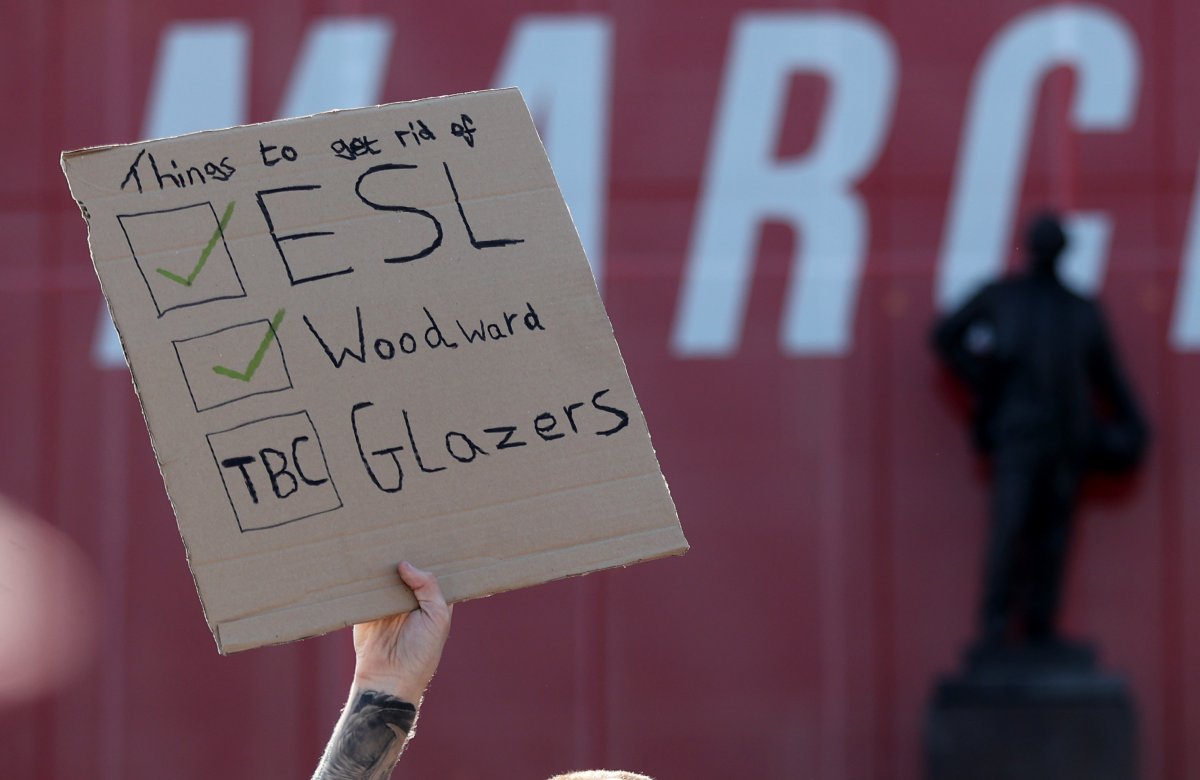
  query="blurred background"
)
[{"x": 776, "y": 199}]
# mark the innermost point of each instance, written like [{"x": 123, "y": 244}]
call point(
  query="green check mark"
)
[
  {"x": 255, "y": 361},
  {"x": 186, "y": 281}
]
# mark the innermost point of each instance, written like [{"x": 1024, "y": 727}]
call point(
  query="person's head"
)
[
  {"x": 1045, "y": 242},
  {"x": 600, "y": 774}
]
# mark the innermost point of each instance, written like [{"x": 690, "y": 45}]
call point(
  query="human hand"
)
[{"x": 398, "y": 655}]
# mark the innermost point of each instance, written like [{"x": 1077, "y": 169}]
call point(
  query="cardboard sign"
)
[{"x": 370, "y": 335}]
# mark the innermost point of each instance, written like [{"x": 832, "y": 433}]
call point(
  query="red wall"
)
[{"x": 834, "y": 509}]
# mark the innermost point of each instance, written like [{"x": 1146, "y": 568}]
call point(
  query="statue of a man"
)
[{"x": 1051, "y": 403}]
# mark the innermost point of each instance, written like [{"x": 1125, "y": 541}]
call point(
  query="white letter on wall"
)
[
  {"x": 746, "y": 185},
  {"x": 562, "y": 65},
  {"x": 342, "y": 65},
  {"x": 1099, "y": 46},
  {"x": 1185, "y": 324},
  {"x": 201, "y": 80}
]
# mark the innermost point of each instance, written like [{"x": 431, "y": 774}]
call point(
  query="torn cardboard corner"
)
[{"x": 367, "y": 336}]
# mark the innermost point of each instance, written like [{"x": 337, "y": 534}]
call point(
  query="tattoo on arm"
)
[{"x": 368, "y": 739}]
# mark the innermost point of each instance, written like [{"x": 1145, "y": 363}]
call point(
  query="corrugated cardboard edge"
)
[
  {"x": 388, "y": 596},
  {"x": 248, "y": 633}
]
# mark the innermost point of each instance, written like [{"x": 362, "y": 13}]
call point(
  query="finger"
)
[{"x": 424, "y": 586}]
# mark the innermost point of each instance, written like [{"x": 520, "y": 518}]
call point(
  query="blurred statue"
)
[{"x": 1051, "y": 402}]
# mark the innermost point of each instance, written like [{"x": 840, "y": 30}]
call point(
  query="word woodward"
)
[{"x": 434, "y": 337}]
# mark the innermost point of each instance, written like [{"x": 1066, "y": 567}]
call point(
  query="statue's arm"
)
[{"x": 949, "y": 339}]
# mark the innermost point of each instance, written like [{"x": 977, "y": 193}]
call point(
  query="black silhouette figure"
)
[{"x": 1051, "y": 403}]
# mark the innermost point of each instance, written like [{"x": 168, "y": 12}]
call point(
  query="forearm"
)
[
  {"x": 368, "y": 737},
  {"x": 395, "y": 658}
]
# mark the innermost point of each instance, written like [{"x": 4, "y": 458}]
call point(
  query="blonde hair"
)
[{"x": 601, "y": 774}]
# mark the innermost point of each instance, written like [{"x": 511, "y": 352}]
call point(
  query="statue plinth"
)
[{"x": 1041, "y": 711}]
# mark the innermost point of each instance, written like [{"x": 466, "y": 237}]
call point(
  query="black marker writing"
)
[
  {"x": 392, "y": 346},
  {"x": 432, "y": 245},
  {"x": 464, "y": 129},
  {"x": 621, "y": 416},
  {"x": 359, "y": 146},
  {"x": 279, "y": 240},
  {"x": 287, "y": 153},
  {"x": 417, "y": 131},
  {"x": 179, "y": 177},
  {"x": 467, "y": 446},
  {"x": 386, "y": 451},
  {"x": 477, "y": 243}
]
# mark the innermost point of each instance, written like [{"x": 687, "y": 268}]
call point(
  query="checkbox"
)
[
  {"x": 233, "y": 363},
  {"x": 274, "y": 471},
  {"x": 182, "y": 255}
]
